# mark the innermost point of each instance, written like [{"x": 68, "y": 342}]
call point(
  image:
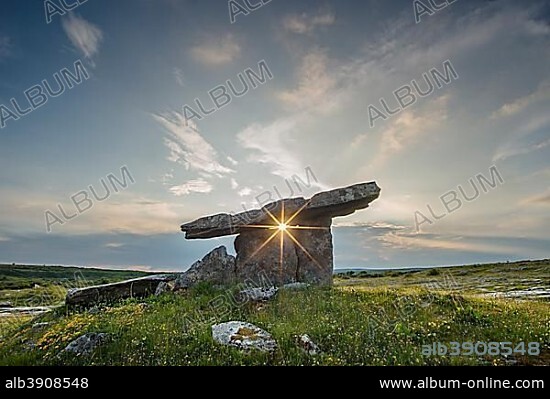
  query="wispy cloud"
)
[
  {"x": 540, "y": 94},
  {"x": 272, "y": 146},
  {"x": 306, "y": 23},
  {"x": 406, "y": 129},
  {"x": 179, "y": 76},
  {"x": 539, "y": 199},
  {"x": 411, "y": 241},
  {"x": 216, "y": 51},
  {"x": 5, "y": 47},
  {"x": 315, "y": 87},
  {"x": 114, "y": 245},
  {"x": 188, "y": 147},
  {"x": 515, "y": 150},
  {"x": 85, "y": 36},
  {"x": 192, "y": 186}
]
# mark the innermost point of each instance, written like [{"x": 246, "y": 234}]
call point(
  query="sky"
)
[{"x": 129, "y": 127}]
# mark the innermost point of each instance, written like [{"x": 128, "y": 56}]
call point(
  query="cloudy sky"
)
[{"x": 329, "y": 61}]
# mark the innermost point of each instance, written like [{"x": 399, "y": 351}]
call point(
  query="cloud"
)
[
  {"x": 375, "y": 226},
  {"x": 216, "y": 51},
  {"x": 412, "y": 241},
  {"x": 114, "y": 245},
  {"x": 85, "y": 36},
  {"x": 192, "y": 186},
  {"x": 179, "y": 76},
  {"x": 509, "y": 151},
  {"x": 315, "y": 86},
  {"x": 188, "y": 147},
  {"x": 5, "y": 47},
  {"x": 539, "y": 199},
  {"x": 406, "y": 129},
  {"x": 306, "y": 24},
  {"x": 271, "y": 144},
  {"x": 246, "y": 191},
  {"x": 540, "y": 94}
]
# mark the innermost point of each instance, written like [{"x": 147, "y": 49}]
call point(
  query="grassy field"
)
[
  {"x": 365, "y": 319},
  {"x": 22, "y": 285}
]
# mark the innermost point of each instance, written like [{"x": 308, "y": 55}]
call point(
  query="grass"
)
[
  {"x": 24, "y": 285},
  {"x": 360, "y": 321}
]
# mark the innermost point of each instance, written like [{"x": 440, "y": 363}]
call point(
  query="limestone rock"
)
[
  {"x": 38, "y": 326},
  {"x": 328, "y": 204},
  {"x": 244, "y": 336},
  {"x": 217, "y": 267},
  {"x": 295, "y": 286},
  {"x": 86, "y": 344},
  {"x": 257, "y": 294},
  {"x": 307, "y": 344},
  {"x": 135, "y": 288},
  {"x": 165, "y": 286},
  {"x": 255, "y": 257}
]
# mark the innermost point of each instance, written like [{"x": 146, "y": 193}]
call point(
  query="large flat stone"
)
[
  {"x": 327, "y": 204},
  {"x": 134, "y": 288}
]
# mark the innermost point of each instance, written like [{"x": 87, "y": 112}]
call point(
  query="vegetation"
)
[
  {"x": 23, "y": 285},
  {"x": 362, "y": 320}
]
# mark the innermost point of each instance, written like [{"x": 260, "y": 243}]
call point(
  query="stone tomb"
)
[{"x": 289, "y": 240}]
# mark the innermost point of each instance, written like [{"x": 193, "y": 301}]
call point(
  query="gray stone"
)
[
  {"x": 300, "y": 252},
  {"x": 307, "y": 345},
  {"x": 257, "y": 294},
  {"x": 135, "y": 288},
  {"x": 295, "y": 286},
  {"x": 255, "y": 257},
  {"x": 217, "y": 267},
  {"x": 86, "y": 344},
  {"x": 31, "y": 310},
  {"x": 38, "y": 326},
  {"x": 244, "y": 336},
  {"x": 328, "y": 204},
  {"x": 165, "y": 286}
]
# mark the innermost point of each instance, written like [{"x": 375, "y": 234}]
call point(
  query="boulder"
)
[
  {"x": 244, "y": 336},
  {"x": 86, "y": 344},
  {"x": 257, "y": 294},
  {"x": 164, "y": 286},
  {"x": 307, "y": 345},
  {"x": 217, "y": 267},
  {"x": 134, "y": 288}
]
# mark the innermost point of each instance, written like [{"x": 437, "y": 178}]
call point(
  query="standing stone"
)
[
  {"x": 315, "y": 257},
  {"x": 252, "y": 262},
  {"x": 217, "y": 267}
]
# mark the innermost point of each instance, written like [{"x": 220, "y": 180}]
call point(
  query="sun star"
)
[{"x": 282, "y": 226}]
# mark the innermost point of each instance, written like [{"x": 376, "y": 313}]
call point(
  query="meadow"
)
[{"x": 366, "y": 318}]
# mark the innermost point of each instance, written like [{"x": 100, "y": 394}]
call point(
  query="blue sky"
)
[{"x": 330, "y": 60}]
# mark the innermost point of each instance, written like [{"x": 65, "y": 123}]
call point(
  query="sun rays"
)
[{"x": 283, "y": 228}]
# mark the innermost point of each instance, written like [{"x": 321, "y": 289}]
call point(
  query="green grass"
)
[
  {"x": 23, "y": 285},
  {"x": 362, "y": 320},
  {"x": 169, "y": 331}
]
